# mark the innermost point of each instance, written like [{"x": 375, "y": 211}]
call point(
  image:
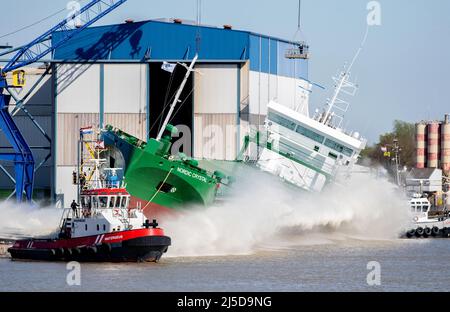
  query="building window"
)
[
  {"x": 331, "y": 155},
  {"x": 339, "y": 147}
]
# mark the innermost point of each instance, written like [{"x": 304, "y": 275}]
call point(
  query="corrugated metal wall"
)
[
  {"x": 215, "y": 136},
  {"x": 79, "y": 104},
  {"x": 119, "y": 91},
  {"x": 78, "y": 88},
  {"x": 125, "y": 88},
  {"x": 216, "y": 104},
  {"x": 68, "y": 125}
]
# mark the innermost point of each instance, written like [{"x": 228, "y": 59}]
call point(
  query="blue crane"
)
[{"x": 21, "y": 155}]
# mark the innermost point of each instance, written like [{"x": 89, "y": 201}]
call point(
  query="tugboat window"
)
[
  {"x": 85, "y": 227},
  {"x": 118, "y": 202},
  {"x": 104, "y": 227},
  {"x": 103, "y": 201},
  {"x": 98, "y": 227},
  {"x": 112, "y": 202},
  {"x": 124, "y": 201},
  {"x": 94, "y": 201}
]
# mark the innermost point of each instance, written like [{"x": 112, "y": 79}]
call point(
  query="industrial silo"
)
[
  {"x": 433, "y": 145},
  {"x": 445, "y": 145},
  {"x": 420, "y": 145}
]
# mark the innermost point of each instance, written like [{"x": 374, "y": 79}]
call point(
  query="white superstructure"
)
[{"x": 304, "y": 151}]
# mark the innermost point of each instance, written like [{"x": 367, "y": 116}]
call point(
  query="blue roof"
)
[{"x": 172, "y": 41}]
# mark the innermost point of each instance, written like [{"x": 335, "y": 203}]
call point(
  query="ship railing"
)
[{"x": 102, "y": 183}]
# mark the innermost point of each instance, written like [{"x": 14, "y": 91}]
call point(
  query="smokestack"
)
[{"x": 447, "y": 119}]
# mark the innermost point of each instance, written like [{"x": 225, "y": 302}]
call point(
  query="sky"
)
[{"x": 402, "y": 72}]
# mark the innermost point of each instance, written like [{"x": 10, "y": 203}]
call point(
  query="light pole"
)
[{"x": 397, "y": 150}]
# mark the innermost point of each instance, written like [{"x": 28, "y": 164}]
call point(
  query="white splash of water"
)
[
  {"x": 24, "y": 220},
  {"x": 265, "y": 210}
]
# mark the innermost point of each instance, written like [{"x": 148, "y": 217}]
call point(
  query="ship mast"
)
[
  {"x": 177, "y": 98},
  {"x": 343, "y": 85}
]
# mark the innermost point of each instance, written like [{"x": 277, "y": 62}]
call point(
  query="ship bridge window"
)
[
  {"x": 284, "y": 122},
  {"x": 310, "y": 134},
  {"x": 124, "y": 201},
  {"x": 112, "y": 202},
  {"x": 118, "y": 202},
  {"x": 94, "y": 202},
  {"x": 103, "y": 201},
  {"x": 339, "y": 147}
]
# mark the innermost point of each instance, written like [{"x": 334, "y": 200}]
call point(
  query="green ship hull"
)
[{"x": 159, "y": 182}]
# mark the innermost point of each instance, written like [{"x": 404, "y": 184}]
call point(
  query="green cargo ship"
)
[{"x": 157, "y": 180}]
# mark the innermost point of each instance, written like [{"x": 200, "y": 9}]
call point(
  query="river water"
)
[
  {"x": 266, "y": 238},
  {"x": 320, "y": 264}
]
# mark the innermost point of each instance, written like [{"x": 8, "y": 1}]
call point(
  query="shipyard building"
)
[{"x": 113, "y": 75}]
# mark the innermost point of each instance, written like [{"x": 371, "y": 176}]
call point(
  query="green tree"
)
[{"x": 404, "y": 132}]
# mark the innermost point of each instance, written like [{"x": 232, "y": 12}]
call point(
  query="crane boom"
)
[
  {"x": 38, "y": 48},
  {"x": 30, "y": 53}
]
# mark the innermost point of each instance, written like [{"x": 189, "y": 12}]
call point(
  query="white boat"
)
[{"x": 428, "y": 221}]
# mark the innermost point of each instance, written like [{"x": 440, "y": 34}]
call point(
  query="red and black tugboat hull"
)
[{"x": 113, "y": 247}]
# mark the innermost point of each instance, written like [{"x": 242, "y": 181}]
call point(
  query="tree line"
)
[{"x": 383, "y": 152}]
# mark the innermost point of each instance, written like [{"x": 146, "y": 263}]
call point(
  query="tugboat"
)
[
  {"x": 102, "y": 229},
  {"x": 428, "y": 220}
]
